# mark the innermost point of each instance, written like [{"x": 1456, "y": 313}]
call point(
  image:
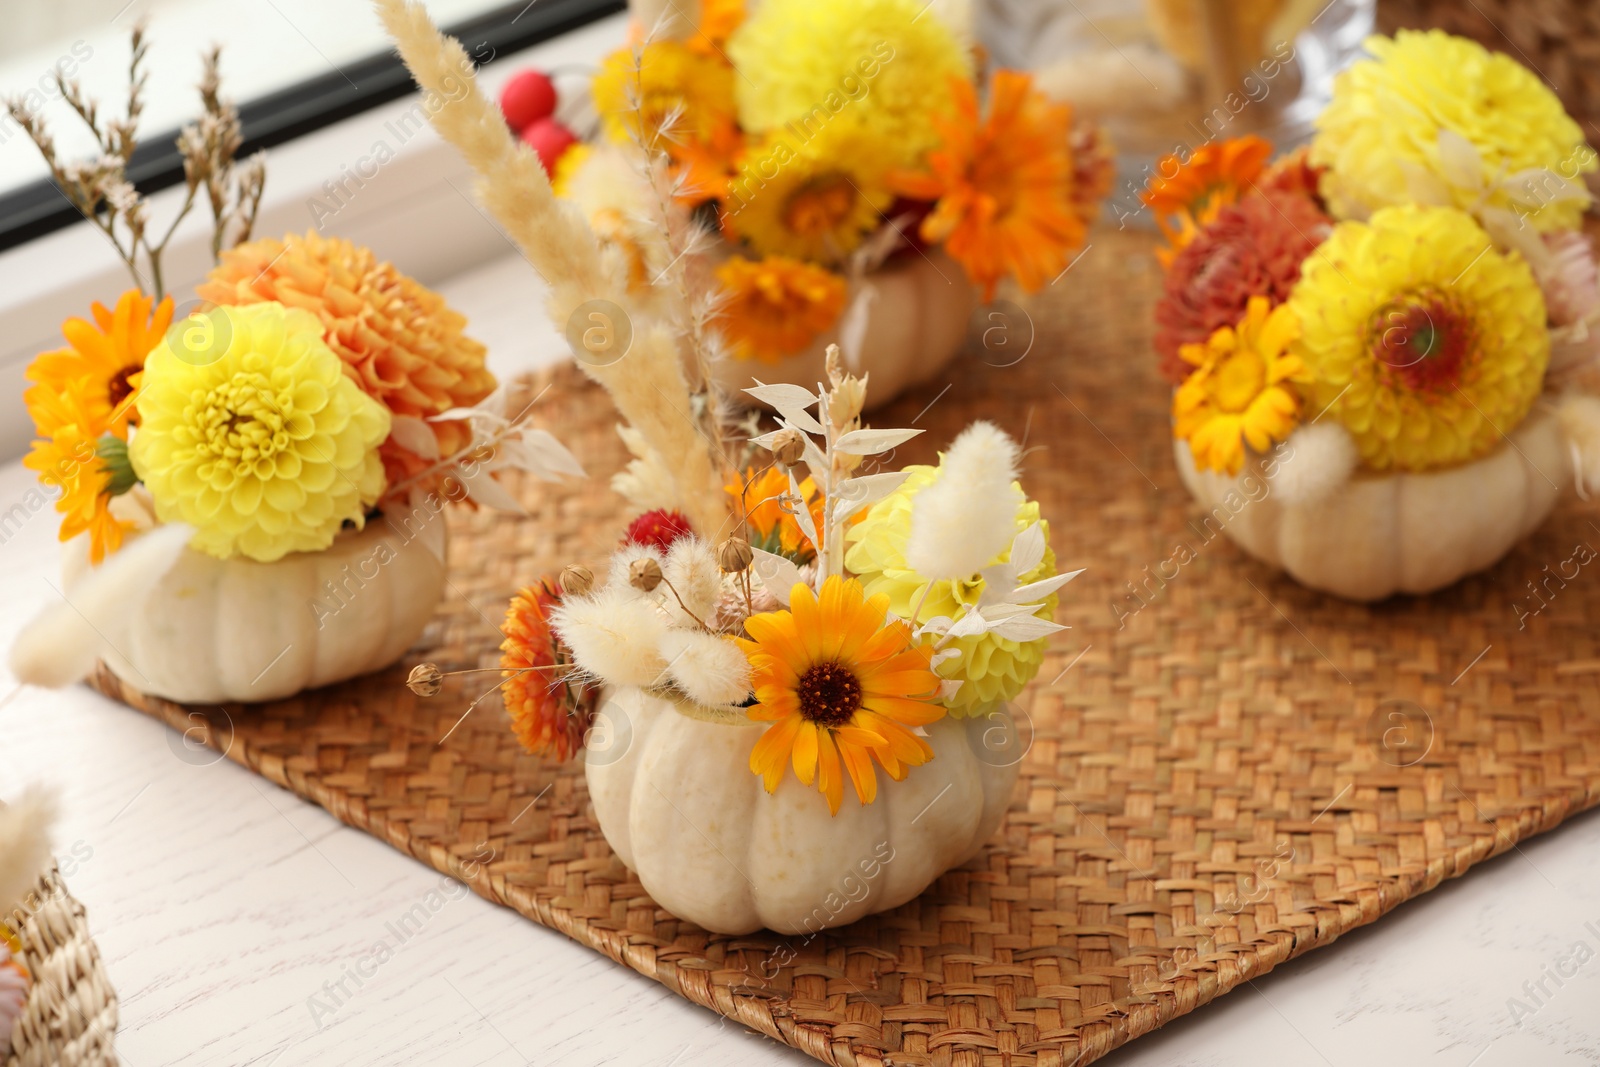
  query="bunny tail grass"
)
[
  {"x": 24, "y": 845},
  {"x": 60, "y": 646}
]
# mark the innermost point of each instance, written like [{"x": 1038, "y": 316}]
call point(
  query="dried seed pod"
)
[
  {"x": 644, "y": 574},
  {"x": 734, "y": 555},
  {"x": 788, "y": 446},
  {"x": 424, "y": 680},
  {"x": 576, "y": 580}
]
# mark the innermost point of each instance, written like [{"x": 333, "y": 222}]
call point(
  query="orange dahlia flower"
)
[
  {"x": 841, "y": 688},
  {"x": 550, "y": 711},
  {"x": 399, "y": 340},
  {"x": 1003, "y": 185}
]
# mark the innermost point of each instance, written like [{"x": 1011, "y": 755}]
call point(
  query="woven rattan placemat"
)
[{"x": 1226, "y": 770}]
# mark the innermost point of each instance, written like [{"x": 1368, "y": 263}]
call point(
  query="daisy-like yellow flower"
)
[
  {"x": 1381, "y": 129},
  {"x": 103, "y": 358},
  {"x": 991, "y": 668},
  {"x": 258, "y": 439},
  {"x": 777, "y": 306},
  {"x": 841, "y": 687},
  {"x": 66, "y": 459},
  {"x": 884, "y": 63},
  {"x": 812, "y": 199},
  {"x": 664, "y": 79},
  {"x": 1427, "y": 343},
  {"x": 1239, "y": 393},
  {"x": 772, "y": 525}
]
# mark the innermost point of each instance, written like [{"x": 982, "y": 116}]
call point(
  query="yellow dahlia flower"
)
[
  {"x": 259, "y": 440},
  {"x": 885, "y": 62},
  {"x": 1380, "y": 133},
  {"x": 993, "y": 668},
  {"x": 400, "y": 342},
  {"x": 1239, "y": 393},
  {"x": 1427, "y": 343},
  {"x": 811, "y": 199}
]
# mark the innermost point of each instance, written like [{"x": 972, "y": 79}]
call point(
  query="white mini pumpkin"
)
[
  {"x": 677, "y": 801},
  {"x": 1375, "y": 535},
  {"x": 915, "y": 324},
  {"x": 213, "y": 630}
]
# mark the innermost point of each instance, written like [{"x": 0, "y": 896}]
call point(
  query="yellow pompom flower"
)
[
  {"x": 1239, "y": 393},
  {"x": 1427, "y": 343},
  {"x": 802, "y": 63},
  {"x": 250, "y": 431},
  {"x": 663, "y": 78},
  {"x": 992, "y": 668},
  {"x": 1381, "y": 130},
  {"x": 812, "y": 199}
]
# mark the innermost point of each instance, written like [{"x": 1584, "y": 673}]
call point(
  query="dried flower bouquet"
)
[{"x": 782, "y": 600}]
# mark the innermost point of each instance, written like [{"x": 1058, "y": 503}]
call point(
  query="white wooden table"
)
[{"x": 230, "y": 911}]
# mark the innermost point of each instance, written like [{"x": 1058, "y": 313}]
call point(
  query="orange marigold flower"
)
[
  {"x": 550, "y": 711},
  {"x": 104, "y": 358},
  {"x": 1186, "y": 195},
  {"x": 841, "y": 687},
  {"x": 1003, "y": 184},
  {"x": 718, "y": 20},
  {"x": 66, "y": 460},
  {"x": 777, "y": 306},
  {"x": 769, "y": 510},
  {"x": 399, "y": 340}
]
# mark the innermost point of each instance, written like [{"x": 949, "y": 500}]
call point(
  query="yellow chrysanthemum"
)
[
  {"x": 1239, "y": 393},
  {"x": 993, "y": 668},
  {"x": 1427, "y": 343},
  {"x": 810, "y": 199},
  {"x": 777, "y": 306},
  {"x": 886, "y": 62},
  {"x": 1382, "y": 127},
  {"x": 258, "y": 439},
  {"x": 664, "y": 79},
  {"x": 399, "y": 340}
]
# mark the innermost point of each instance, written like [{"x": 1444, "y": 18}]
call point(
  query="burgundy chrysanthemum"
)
[
  {"x": 1253, "y": 248},
  {"x": 658, "y": 528}
]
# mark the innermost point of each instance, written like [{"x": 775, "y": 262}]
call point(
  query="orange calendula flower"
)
[
  {"x": 549, "y": 711},
  {"x": 66, "y": 460},
  {"x": 104, "y": 358},
  {"x": 1186, "y": 195},
  {"x": 777, "y": 306},
  {"x": 1003, "y": 185},
  {"x": 718, "y": 20},
  {"x": 841, "y": 687},
  {"x": 769, "y": 509}
]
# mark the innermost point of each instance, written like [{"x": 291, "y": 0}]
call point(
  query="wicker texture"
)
[
  {"x": 1558, "y": 39},
  {"x": 1236, "y": 773},
  {"x": 70, "y": 1018}
]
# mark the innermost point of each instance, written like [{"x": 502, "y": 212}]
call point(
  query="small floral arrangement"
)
[
  {"x": 1411, "y": 282},
  {"x": 312, "y": 386},
  {"x": 819, "y": 139},
  {"x": 844, "y": 605}
]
